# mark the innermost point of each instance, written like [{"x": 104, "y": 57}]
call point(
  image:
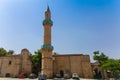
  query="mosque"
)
[
  {"x": 52, "y": 64},
  {"x": 65, "y": 63}
]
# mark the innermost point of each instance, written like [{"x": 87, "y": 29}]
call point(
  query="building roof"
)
[
  {"x": 69, "y": 55},
  {"x": 11, "y": 56},
  {"x": 95, "y": 63}
]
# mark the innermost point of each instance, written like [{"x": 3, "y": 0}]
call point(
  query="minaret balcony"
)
[
  {"x": 47, "y": 46},
  {"x": 47, "y": 21}
]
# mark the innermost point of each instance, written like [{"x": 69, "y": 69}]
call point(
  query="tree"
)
[
  {"x": 10, "y": 52},
  {"x": 36, "y": 61},
  {"x": 100, "y": 57},
  {"x": 113, "y": 66},
  {"x": 55, "y": 53},
  {"x": 3, "y": 52},
  {"x": 108, "y": 64}
]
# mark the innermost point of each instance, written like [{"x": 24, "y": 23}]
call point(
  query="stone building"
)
[
  {"x": 72, "y": 63},
  {"x": 13, "y": 65},
  {"x": 67, "y": 64}
]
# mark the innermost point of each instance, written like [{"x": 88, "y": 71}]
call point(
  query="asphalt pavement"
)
[{"x": 37, "y": 79}]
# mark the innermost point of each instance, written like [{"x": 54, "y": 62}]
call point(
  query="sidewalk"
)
[{"x": 37, "y": 79}]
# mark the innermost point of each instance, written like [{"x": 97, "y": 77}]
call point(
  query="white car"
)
[{"x": 75, "y": 76}]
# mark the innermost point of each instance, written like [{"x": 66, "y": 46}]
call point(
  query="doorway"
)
[
  {"x": 61, "y": 73},
  {"x": 7, "y": 75}
]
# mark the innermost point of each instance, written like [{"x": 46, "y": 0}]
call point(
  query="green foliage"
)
[
  {"x": 108, "y": 64},
  {"x": 100, "y": 57},
  {"x": 10, "y": 52},
  {"x": 36, "y": 61},
  {"x": 55, "y": 53},
  {"x": 4, "y": 52},
  {"x": 112, "y": 65}
]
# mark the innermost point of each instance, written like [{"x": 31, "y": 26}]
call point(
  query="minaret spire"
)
[
  {"x": 47, "y": 48},
  {"x": 48, "y": 9},
  {"x": 47, "y": 23},
  {"x": 48, "y": 13}
]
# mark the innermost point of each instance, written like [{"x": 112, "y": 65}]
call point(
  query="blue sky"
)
[{"x": 80, "y": 26}]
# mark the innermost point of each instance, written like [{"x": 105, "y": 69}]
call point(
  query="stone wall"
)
[
  {"x": 73, "y": 63},
  {"x": 13, "y": 65}
]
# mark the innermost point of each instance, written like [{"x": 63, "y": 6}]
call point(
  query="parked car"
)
[
  {"x": 32, "y": 76},
  {"x": 58, "y": 75},
  {"x": 66, "y": 76},
  {"x": 42, "y": 77},
  {"x": 21, "y": 76},
  {"x": 75, "y": 76}
]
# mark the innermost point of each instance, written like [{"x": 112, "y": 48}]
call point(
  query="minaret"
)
[{"x": 47, "y": 48}]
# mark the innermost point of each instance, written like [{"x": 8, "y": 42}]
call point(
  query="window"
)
[{"x": 10, "y": 62}]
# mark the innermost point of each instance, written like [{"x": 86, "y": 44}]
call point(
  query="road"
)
[
  {"x": 37, "y": 79},
  {"x": 17, "y": 79}
]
